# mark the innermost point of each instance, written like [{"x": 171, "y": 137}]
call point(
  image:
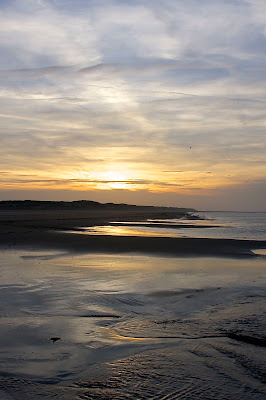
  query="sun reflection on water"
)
[{"x": 114, "y": 230}]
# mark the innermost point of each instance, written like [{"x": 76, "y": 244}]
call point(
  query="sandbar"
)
[{"x": 50, "y": 229}]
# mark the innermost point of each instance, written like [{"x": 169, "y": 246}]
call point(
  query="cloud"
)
[
  {"x": 225, "y": 199},
  {"x": 36, "y": 72},
  {"x": 145, "y": 86}
]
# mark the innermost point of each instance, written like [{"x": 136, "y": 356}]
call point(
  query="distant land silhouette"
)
[{"x": 76, "y": 205}]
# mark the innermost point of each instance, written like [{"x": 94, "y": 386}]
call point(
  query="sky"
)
[{"x": 141, "y": 101}]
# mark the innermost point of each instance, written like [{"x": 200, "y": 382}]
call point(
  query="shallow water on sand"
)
[
  {"x": 131, "y": 327},
  {"x": 223, "y": 225}
]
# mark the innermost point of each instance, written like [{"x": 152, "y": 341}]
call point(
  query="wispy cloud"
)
[{"x": 160, "y": 90}]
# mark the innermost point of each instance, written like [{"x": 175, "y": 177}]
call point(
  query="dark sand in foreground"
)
[{"x": 127, "y": 326}]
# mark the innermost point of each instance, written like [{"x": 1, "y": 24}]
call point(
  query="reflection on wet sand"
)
[
  {"x": 172, "y": 228},
  {"x": 261, "y": 252},
  {"x": 131, "y": 327},
  {"x": 113, "y": 230}
]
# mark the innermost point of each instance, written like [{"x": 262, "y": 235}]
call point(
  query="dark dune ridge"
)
[
  {"x": 78, "y": 205},
  {"x": 47, "y": 229}
]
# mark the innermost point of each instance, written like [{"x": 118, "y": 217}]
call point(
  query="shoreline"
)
[
  {"x": 49, "y": 230},
  {"x": 36, "y": 239}
]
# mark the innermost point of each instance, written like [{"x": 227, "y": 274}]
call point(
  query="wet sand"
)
[
  {"x": 131, "y": 327},
  {"x": 99, "y": 317},
  {"x": 49, "y": 230}
]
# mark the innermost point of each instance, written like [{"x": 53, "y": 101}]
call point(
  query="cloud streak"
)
[{"x": 171, "y": 93}]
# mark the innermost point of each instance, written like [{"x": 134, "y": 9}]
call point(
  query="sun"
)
[
  {"x": 117, "y": 177},
  {"x": 114, "y": 179}
]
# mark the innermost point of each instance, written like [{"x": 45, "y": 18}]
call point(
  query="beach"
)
[
  {"x": 53, "y": 229},
  {"x": 132, "y": 200},
  {"x": 125, "y": 317}
]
